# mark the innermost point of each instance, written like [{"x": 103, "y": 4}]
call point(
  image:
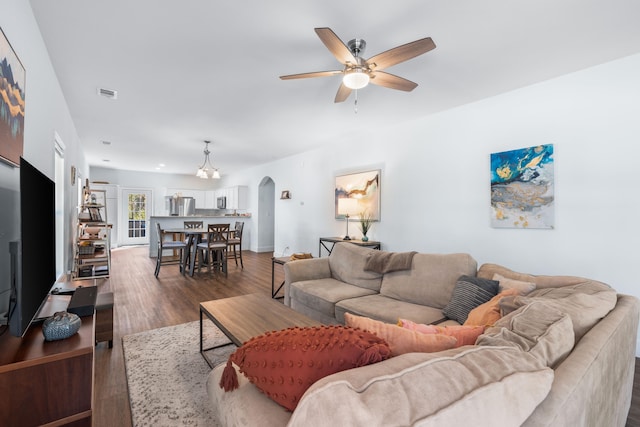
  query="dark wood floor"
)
[{"x": 143, "y": 302}]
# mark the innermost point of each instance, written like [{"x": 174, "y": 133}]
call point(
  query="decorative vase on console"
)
[{"x": 365, "y": 224}]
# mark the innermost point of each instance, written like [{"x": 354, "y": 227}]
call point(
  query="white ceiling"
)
[{"x": 192, "y": 70}]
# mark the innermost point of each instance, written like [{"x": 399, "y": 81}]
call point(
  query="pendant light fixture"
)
[{"x": 203, "y": 171}]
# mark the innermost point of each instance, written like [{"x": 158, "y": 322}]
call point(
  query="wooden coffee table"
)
[{"x": 247, "y": 316}]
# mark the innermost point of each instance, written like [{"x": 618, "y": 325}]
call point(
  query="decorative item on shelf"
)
[
  {"x": 285, "y": 195},
  {"x": 366, "y": 221},
  {"x": 300, "y": 255},
  {"x": 347, "y": 207},
  {"x": 86, "y": 249},
  {"x": 203, "y": 171},
  {"x": 60, "y": 326}
]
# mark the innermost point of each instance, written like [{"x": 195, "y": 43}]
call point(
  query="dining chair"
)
[
  {"x": 166, "y": 241},
  {"x": 193, "y": 224},
  {"x": 235, "y": 242},
  {"x": 215, "y": 248}
]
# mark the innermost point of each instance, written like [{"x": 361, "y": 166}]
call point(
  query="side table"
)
[
  {"x": 274, "y": 261},
  {"x": 329, "y": 242}
]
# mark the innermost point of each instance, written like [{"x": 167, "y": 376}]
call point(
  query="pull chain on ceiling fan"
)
[{"x": 359, "y": 72}]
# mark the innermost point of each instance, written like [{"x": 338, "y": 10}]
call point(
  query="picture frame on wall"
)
[
  {"x": 522, "y": 188},
  {"x": 12, "y": 103},
  {"x": 364, "y": 188}
]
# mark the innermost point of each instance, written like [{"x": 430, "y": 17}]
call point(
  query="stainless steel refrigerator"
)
[{"x": 180, "y": 206}]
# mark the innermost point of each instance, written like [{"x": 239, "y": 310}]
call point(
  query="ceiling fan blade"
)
[
  {"x": 401, "y": 53},
  {"x": 335, "y": 45},
  {"x": 391, "y": 81},
  {"x": 343, "y": 93},
  {"x": 313, "y": 74}
]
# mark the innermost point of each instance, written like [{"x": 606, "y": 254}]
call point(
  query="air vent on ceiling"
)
[{"x": 108, "y": 93}]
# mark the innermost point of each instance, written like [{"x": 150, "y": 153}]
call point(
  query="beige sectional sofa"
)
[{"x": 564, "y": 356}]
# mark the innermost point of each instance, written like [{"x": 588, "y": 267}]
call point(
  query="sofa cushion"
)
[
  {"x": 448, "y": 388},
  {"x": 468, "y": 294},
  {"x": 323, "y": 294},
  {"x": 521, "y": 286},
  {"x": 386, "y": 309},
  {"x": 347, "y": 263},
  {"x": 537, "y": 328},
  {"x": 401, "y": 340},
  {"x": 586, "y": 303},
  {"x": 489, "y": 313},
  {"x": 431, "y": 279},
  {"x": 466, "y": 335},
  {"x": 283, "y": 364},
  {"x": 487, "y": 271}
]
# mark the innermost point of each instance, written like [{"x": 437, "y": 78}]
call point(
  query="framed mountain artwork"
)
[
  {"x": 12, "y": 82},
  {"x": 363, "y": 190},
  {"x": 522, "y": 188}
]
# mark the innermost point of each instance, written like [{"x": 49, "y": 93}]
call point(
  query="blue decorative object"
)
[{"x": 60, "y": 326}]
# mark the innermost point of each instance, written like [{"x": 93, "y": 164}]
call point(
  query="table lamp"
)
[{"x": 347, "y": 207}]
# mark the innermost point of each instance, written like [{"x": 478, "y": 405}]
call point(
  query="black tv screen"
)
[{"x": 34, "y": 256}]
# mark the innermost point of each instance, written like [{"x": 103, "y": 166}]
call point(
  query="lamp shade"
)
[
  {"x": 347, "y": 206},
  {"x": 355, "y": 79}
]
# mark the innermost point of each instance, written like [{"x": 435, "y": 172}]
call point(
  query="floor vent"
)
[{"x": 108, "y": 93}]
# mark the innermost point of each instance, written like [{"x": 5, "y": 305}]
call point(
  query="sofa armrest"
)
[{"x": 304, "y": 269}]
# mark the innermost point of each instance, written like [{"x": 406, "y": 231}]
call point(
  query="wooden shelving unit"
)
[{"x": 92, "y": 257}]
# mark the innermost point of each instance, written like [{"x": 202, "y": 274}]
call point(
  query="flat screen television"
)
[{"x": 33, "y": 257}]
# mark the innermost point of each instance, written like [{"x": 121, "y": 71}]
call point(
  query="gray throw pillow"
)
[{"x": 469, "y": 293}]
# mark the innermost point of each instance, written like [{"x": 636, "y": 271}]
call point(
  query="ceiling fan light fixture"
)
[{"x": 355, "y": 78}]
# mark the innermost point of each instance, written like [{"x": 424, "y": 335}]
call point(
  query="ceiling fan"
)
[{"x": 358, "y": 72}]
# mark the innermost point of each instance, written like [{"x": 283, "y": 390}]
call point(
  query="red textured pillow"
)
[{"x": 284, "y": 364}]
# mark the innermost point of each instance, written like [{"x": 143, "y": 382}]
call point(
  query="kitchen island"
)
[{"x": 168, "y": 222}]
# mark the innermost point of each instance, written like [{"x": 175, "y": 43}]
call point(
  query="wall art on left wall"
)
[
  {"x": 522, "y": 188},
  {"x": 12, "y": 83}
]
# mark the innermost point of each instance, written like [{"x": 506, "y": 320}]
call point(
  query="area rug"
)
[{"x": 166, "y": 374}]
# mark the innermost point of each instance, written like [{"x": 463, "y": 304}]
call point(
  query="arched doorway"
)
[{"x": 266, "y": 217}]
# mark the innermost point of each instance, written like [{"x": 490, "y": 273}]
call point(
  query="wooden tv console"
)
[{"x": 47, "y": 382}]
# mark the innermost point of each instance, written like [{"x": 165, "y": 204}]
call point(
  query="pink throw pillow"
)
[
  {"x": 465, "y": 335},
  {"x": 401, "y": 340}
]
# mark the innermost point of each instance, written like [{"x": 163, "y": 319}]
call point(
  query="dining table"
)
[{"x": 193, "y": 236}]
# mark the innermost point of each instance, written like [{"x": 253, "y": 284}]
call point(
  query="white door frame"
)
[{"x": 125, "y": 239}]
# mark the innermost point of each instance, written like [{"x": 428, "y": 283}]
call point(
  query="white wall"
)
[
  {"x": 436, "y": 184},
  {"x": 46, "y": 112}
]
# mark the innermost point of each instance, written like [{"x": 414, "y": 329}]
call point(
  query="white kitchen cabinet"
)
[
  {"x": 237, "y": 197},
  {"x": 210, "y": 199}
]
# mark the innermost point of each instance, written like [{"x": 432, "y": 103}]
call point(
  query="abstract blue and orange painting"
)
[
  {"x": 522, "y": 188},
  {"x": 12, "y": 81}
]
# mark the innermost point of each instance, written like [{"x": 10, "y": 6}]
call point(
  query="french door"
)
[{"x": 136, "y": 209}]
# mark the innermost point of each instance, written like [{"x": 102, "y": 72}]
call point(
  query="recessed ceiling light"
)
[
  {"x": 161, "y": 165},
  {"x": 106, "y": 160}
]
